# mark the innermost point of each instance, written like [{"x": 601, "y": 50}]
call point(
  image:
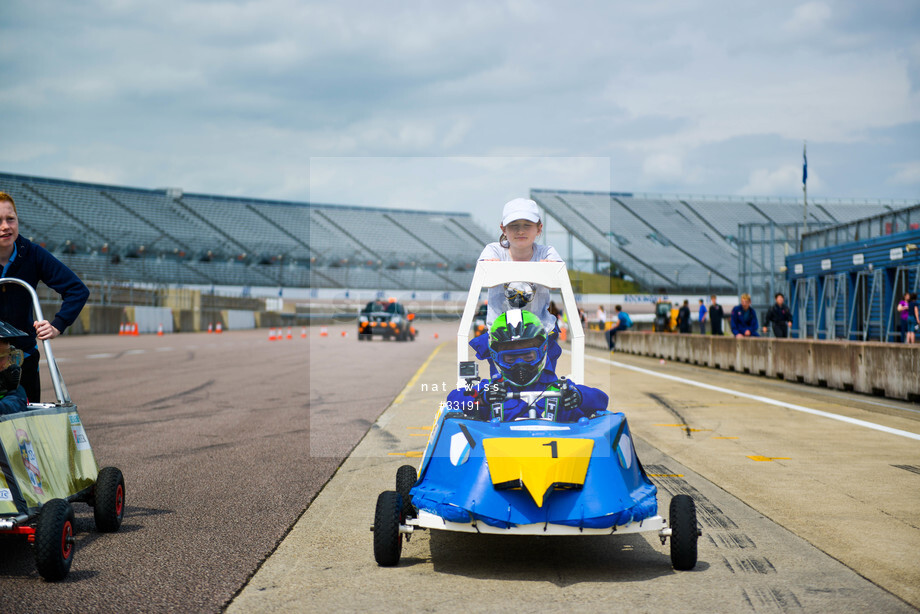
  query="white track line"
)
[{"x": 768, "y": 401}]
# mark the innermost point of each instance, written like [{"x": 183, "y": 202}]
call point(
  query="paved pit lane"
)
[{"x": 799, "y": 512}]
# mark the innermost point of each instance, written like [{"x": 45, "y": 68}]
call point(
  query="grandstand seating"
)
[
  {"x": 163, "y": 236},
  {"x": 114, "y": 233},
  {"x": 682, "y": 244}
]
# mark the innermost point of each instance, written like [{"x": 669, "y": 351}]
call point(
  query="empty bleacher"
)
[
  {"x": 680, "y": 243},
  {"x": 163, "y": 236}
]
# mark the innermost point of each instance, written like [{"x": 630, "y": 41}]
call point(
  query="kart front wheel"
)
[
  {"x": 109, "y": 504},
  {"x": 54, "y": 541},
  {"x": 387, "y": 538},
  {"x": 684, "y": 533},
  {"x": 406, "y": 477}
]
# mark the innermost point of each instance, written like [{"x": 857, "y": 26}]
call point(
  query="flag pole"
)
[{"x": 804, "y": 191}]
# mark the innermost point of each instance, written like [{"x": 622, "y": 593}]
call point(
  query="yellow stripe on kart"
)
[{"x": 537, "y": 463}]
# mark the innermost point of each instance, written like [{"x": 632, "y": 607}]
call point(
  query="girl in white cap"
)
[{"x": 521, "y": 226}]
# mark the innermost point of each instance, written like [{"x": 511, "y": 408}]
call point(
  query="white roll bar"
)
[{"x": 553, "y": 275}]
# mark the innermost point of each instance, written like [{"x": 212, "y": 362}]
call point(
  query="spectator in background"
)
[
  {"x": 582, "y": 317},
  {"x": 32, "y": 263},
  {"x": 702, "y": 318},
  {"x": 780, "y": 317},
  {"x": 715, "y": 316},
  {"x": 913, "y": 319},
  {"x": 744, "y": 318},
  {"x": 601, "y": 317},
  {"x": 683, "y": 317},
  {"x": 622, "y": 321},
  {"x": 904, "y": 311}
]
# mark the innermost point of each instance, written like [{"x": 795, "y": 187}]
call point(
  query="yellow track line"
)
[{"x": 402, "y": 395}]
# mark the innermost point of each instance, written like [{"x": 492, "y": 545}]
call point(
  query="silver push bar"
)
[{"x": 60, "y": 390}]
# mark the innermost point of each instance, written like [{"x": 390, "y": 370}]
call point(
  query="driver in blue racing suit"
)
[{"x": 518, "y": 347}]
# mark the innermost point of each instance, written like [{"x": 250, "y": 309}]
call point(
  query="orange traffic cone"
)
[
  {"x": 210, "y": 327},
  {"x": 436, "y": 335},
  {"x": 121, "y": 329},
  {"x": 135, "y": 333},
  {"x": 289, "y": 336},
  {"x": 323, "y": 332},
  {"x": 271, "y": 334},
  {"x": 303, "y": 333},
  {"x": 160, "y": 330},
  {"x": 344, "y": 334},
  {"x": 219, "y": 329}
]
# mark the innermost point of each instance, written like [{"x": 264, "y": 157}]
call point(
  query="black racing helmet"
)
[
  {"x": 517, "y": 345},
  {"x": 10, "y": 359}
]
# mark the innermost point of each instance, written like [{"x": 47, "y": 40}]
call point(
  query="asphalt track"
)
[
  {"x": 801, "y": 512},
  {"x": 224, "y": 440}
]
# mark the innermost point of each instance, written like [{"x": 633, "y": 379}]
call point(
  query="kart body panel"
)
[
  {"x": 44, "y": 454},
  {"x": 508, "y": 475}
]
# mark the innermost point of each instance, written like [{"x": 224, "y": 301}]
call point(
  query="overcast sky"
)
[{"x": 462, "y": 106}]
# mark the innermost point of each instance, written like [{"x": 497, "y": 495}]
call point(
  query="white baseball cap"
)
[{"x": 520, "y": 209}]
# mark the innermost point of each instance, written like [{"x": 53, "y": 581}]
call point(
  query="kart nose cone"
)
[{"x": 537, "y": 464}]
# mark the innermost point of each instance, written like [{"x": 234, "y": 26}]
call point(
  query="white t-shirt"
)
[{"x": 498, "y": 304}]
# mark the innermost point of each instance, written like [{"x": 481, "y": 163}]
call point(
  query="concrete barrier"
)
[{"x": 883, "y": 369}]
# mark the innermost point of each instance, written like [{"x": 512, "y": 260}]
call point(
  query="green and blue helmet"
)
[{"x": 517, "y": 345}]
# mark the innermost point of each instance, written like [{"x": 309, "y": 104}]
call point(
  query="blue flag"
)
[{"x": 804, "y": 166}]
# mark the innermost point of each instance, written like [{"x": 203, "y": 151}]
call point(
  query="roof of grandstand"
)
[{"x": 683, "y": 243}]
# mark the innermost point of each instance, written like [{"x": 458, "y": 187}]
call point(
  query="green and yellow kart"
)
[{"x": 46, "y": 465}]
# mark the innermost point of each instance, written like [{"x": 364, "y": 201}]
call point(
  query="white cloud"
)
[
  {"x": 94, "y": 175},
  {"x": 236, "y": 97},
  {"x": 808, "y": 18},
  {"x": 908, "y": 173},
  {"x": 666, "y": 167},
  {"x": 26, "y": 152},
  {"x": 783, "y": 181}
]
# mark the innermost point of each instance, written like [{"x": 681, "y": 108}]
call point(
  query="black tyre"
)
[
  {"x": 54, "y": 542},
  {"x": 406, "y": 477},
  {"x": 109, "y": 504},
  {"x": 387, "y": 538},
  {"x": 683, "y": 532}
]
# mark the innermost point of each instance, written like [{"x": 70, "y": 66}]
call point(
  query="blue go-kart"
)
[{"x": 531, "y": 476}]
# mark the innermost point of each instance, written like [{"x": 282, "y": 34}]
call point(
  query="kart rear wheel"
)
[
  {"x": 406, "y": 477},
  {"x": 387, "y": 538},
  {"x": 109, "y": 504},
  {"x": 684, "y": 533},
  {"x": 54, "y": 542}
]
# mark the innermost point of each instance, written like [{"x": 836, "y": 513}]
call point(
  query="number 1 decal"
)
[{"x": 553, "y": 446}]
